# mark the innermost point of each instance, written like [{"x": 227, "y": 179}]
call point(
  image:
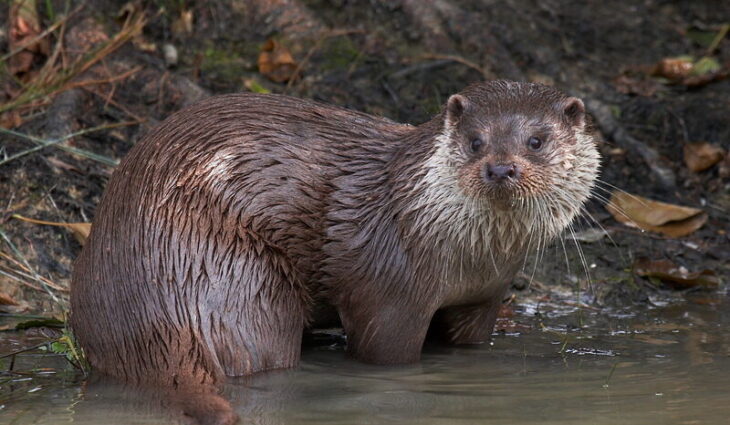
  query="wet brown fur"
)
[{"x": 224, "y": 225}]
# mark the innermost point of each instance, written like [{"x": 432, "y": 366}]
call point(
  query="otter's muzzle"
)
[{"x": 499, "y": 173}]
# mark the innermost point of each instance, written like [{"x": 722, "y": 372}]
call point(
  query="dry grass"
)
[
  {"x": 60, "y": 71},
  {"x": 57, "y": 74}
]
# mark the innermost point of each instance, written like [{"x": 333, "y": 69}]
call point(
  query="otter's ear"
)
[
  {"x": 574, "y": 111},
  {"x": 455, "y": 108}
]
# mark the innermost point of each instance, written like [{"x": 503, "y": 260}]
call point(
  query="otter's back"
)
[{"x": 232, "y": 168}]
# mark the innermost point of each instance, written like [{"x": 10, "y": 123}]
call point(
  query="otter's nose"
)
[{"x": 500, "y": 172}]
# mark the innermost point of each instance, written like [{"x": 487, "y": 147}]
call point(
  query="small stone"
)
[{"x": 170, "y": 53}]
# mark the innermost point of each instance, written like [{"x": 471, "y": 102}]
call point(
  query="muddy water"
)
[{"x": 668, "y": 365}]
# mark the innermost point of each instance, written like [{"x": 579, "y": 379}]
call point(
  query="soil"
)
[{"x": 400, "y": 59}]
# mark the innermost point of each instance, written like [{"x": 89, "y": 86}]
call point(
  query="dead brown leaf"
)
[
  {"x": 183, "y": 25},
  {"x": 25, "y": 26},
  {"x": 504, "y": 324},
  {"x": 6, "y": 299},
  {"x": 704, "y": 79},
  {"x": 674, "y": 69},
  {"x": 61, "y": 164},
  {"x": 79, "y": 230},
  {"x": 671, "y": 220},
  {"x": 724, "y": 168},
  {"x": 11, "y": 119},
  {"x": 702, "y": 155},
  {"x": 674, "y": 275},
  {"x": 687, "y": 71},
  {"x": 276, "y": 62}
]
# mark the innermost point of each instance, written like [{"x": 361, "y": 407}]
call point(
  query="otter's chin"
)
[{"x": 503, "y": 198}]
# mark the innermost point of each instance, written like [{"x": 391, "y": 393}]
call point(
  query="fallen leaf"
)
[
  {"x": 671, "y": 220},
  {"x": 724, "y": 168},
  {"x": 79, "y": 230},
  {"x": 705, "y": 65},
  {"x": 6, "y": 299},
  {"x": 276, "y": 62},
  {"x": 144, "y": 45},
  {"x": 9, "y": 304},
  {"x": 61, "y": 164},
  {"x": 50, "y": 322},
  {"x": 674, "y": 69},
  {"x": 25, "y": 26},
  {"x": 11, "y": 119},
  {"x": 688, "y": 71},
  {"x": 704, "y": 79},
  {"x": 506, "y": 325},
  {"x": 674, "y": 275},
  {"x": 702, "y": 155},
  {"x": 183, "y": 25}
]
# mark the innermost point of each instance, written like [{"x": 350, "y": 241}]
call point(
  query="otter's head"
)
[{"x": 519, "y": 150}]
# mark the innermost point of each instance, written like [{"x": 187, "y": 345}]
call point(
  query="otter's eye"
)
[
  {"x": 475, "y": 145},
  {"x": 535, "y": 143}
]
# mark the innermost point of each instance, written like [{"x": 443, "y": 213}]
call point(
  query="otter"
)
[{"x": 223, "y": 227}]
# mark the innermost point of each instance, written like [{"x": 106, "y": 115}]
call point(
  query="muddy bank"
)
[{"x": 399, "y": 59}]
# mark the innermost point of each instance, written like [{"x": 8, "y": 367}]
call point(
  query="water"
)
[{"x": 668, "y": 365}]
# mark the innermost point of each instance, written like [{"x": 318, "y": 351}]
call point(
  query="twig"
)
[
  {"x": 108, "y": 100},
  {"x": 31, "y": 348},
  {"x": 25, "y": 269},
  {"x": 17, "y": 279},
  {"x": 132, "y": 26},
  {"x": 109, "y": 80},
  {"x": 38, "y": 278},
  {"x": 718, "y": 39}
]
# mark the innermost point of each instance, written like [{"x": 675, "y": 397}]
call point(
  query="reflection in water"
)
[{"x": 665, "y": 367}]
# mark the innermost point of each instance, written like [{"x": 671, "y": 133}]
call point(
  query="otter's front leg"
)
[
  {"x": 385, "y": 334},
  {"x": 469, "y": 324}
]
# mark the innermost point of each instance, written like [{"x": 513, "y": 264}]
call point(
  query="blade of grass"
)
[
  {"x": 24, "y": 272},
  {"x": 42, "y": 144},
  {"x": 38, "y": 278},
  {"x": 11, "y": 276}
]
